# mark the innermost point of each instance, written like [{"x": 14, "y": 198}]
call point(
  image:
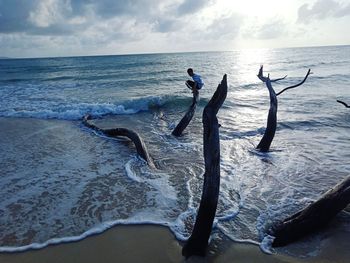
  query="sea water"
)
[{"x": 62, "y": 182}]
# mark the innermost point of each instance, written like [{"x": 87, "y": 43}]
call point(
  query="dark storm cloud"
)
[
  {"x": 112, "y": 8},
  {"x": 14, "y": 15},
  {"x": 34, "y": 17},
  {"x": 321, "y": 10}
]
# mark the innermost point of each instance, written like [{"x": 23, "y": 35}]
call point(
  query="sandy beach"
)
[{"x": 149, "y": 243}]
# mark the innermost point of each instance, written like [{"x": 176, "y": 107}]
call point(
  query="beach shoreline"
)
[{"x": 152, "y": 243}]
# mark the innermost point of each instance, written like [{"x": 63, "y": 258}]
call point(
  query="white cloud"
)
[
  {"x": 57, "y": 27},
  {"x": 226, "y": 27},
  {"x": 49, "y": 12},
  {"x": 271, "y": 29},
  {"x": 322, "y": 9}
]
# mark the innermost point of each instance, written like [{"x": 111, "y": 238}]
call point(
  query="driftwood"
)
[
  {"x": 342, "y": 102},
  {"x": 269, "y": 134},
  {"x": 265, "y": 142},
  {"x": 188, "y": 116},
  {"x": 314, "y": 217},
  {"x": 198, "y": 241},
  {"x": 116, "y": 132}
]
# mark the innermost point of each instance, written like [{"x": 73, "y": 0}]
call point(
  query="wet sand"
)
[{"x": 149, "y": 243}]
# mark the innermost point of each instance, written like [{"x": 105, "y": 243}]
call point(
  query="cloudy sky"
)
[{"x": 39, "y": 28}]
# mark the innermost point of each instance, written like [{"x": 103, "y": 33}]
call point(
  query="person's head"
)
[{"x": 190, "y": 72}]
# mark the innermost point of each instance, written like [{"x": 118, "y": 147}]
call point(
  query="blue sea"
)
[{"x": 62, "y": 182}]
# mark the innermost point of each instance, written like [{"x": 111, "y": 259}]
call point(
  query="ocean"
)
[{"x": 62, "y": 182}]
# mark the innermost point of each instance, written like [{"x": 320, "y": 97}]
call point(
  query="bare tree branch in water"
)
[
  {"x": 297, "y": 85},
  {"x": 117, "y": 132},
  {"x": 188, "y": 116},
  {"x": 198, "y": 242},
  {"x": 265, "y": 143},
  {"x": 314, "y": 217},
  {"x": 342, "y": 102}
]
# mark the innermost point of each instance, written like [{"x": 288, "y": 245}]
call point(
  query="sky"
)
[{"x": 50, "y": 28}]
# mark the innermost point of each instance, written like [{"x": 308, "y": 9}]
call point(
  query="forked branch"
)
[
  {"x": 264, "y": 79},
  {"x": 271, "y": 126}
]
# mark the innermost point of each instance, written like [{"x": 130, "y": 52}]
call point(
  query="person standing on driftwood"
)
[{"x": 197, "y": 82}]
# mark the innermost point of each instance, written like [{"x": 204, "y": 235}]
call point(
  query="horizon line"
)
[{"x": 170, "y": 52}]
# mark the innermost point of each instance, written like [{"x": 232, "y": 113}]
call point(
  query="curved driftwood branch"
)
[
  {"x": 314, "y": 217},
  {"x": 342, "y": 102},
  {"x": 116, "y": 132},
  {"x": 188, "y": 116},
  {"x": 198, "y": 242},
  {"x": 275, "y": 80},
  {"x": 264, "y": 144},
  {"x": 297, "y": 85}
]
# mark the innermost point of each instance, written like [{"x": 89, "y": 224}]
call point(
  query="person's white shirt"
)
[{"x": 197, "y": 78}]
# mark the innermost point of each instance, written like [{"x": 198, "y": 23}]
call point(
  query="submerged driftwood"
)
[
  {"x": 198, "y": 242},
  {"x": 117, "y": 132},
  {"x": 188, "y": 116},
  {"x": 314, "y": 217},
  {"x": 342, "y": 102},
  {"x": 269, "y": 134}
]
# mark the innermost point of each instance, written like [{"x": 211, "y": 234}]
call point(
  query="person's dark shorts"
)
[{"x": 191, "y": 84}]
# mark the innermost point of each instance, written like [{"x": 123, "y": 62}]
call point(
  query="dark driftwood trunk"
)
[
  {"x": 133, "y": 136},
  {"x": 198, "y": 242},
  {"x": 314, "y": 217},
  {"x": 270, "y": 131},
  {"x": 188, "y": 116},
  {"x": 265, "y": 143}
]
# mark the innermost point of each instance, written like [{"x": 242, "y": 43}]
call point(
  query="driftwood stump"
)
[
  {"x": 198, "y": 241},
  {"x": 269, "y": 134},
  {"x": 314, "y": 217},
  {"x": 188, "y": 116},
  {"x": 117, "y": 132}
]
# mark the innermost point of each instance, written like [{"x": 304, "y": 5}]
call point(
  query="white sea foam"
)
[
  {"x": 75, "y": 111},
  {"x": 181, "y": 226},
  {"x": 130, "y": 173},
  {"x": 266, "y": 244}
]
